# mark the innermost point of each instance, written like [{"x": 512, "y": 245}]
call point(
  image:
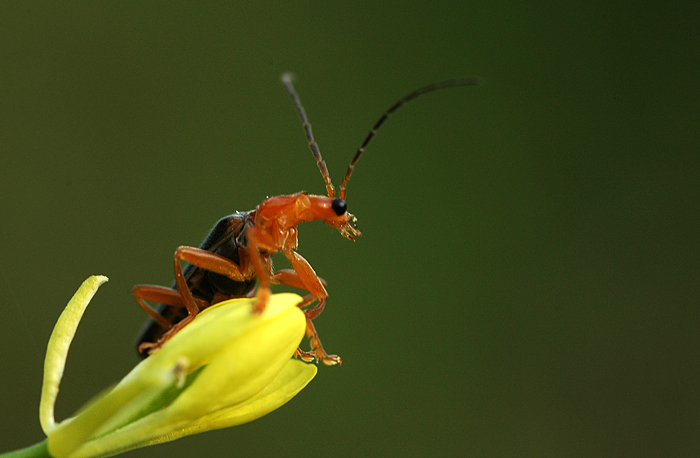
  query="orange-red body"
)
[
  {"x": 256, "y": 235},
  {"x": 237, "y": 253}
]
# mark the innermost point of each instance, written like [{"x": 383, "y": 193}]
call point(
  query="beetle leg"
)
[
  {"x": 205, "y": 260},
  {"x": 313, "y": 284},
  {"x": 289, "y": 277},
  {"x": 316, "y": 346},
  {"x": 212, "y": 262},
  {"x": 147, "y": 348},
  {"x": 183, "y": 296},
  {"x": 305, "y": 273},
  {"x": 166, "y": 296},
  {"x": 161, "y": 295},
  {"x": 262, "y": 270}
]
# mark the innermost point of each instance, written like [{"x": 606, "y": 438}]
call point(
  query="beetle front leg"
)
[
  {"x": 289, "y": 277},
  {"x": 313, "y": 284}
]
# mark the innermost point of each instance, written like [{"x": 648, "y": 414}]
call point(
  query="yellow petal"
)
[
  {"x": 245, "y": 361},
  {"x": 290, "y": 381},
  {"x": 294, "y": 377},
  {"x": 57, "y": 349}
]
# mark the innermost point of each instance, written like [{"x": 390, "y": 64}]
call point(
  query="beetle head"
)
[{"x": 342, "y": 219}]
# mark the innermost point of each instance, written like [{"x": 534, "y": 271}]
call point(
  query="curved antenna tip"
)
[
  {"x": 470, "y": 81},
  {"x": 287, "y": 77}
]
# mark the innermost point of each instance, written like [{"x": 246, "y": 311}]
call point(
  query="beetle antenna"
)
[
  {"x": 287, "y": 81},
  {"x": 396, "y": 106}
]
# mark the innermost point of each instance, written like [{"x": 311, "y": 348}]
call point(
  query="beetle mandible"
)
[{"x": 237, "y": 253}]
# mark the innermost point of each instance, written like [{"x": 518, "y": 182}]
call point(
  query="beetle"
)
[{"x": 236, "y": 256}]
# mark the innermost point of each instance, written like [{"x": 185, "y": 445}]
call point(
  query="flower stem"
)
[{"x": 33, "y": 451}]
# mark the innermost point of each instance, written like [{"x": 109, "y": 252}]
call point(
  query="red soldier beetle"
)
[{"x": 238, "y": 251}]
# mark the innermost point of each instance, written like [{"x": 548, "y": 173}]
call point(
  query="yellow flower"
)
[{"x": 227, "y": 367}]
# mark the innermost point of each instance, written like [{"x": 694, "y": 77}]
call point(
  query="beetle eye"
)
[{"x": 339, "y": 206}]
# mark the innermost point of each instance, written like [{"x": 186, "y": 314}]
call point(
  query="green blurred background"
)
[{"x": 527, "y": 282}]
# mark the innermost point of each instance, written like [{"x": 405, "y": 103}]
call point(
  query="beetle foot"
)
[
  {"x": 318, "y": 355},
  {"x": 261, "y": 300}
]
